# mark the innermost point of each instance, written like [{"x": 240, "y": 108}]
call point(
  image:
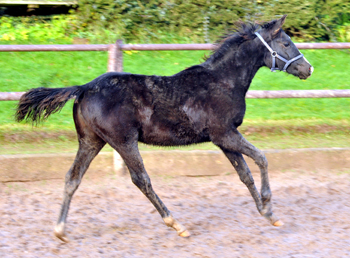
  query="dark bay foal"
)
[{"x": 203, "y": 103}]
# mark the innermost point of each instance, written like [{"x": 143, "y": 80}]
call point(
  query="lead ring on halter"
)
[{"x": 274, "y": 55}]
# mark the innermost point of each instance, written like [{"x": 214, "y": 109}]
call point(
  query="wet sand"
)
[{"x": 109, "y": 217}]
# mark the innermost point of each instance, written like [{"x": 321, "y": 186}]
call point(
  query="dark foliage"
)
[{"x": 203, "y": 20}]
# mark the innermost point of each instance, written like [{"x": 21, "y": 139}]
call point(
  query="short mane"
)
[{"x": 241, "y": 33}]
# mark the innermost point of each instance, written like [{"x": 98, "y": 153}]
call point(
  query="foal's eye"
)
[{"x": 286, "y": 44}]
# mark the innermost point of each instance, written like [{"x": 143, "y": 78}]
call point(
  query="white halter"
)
[{"x": 274, "y": 55}]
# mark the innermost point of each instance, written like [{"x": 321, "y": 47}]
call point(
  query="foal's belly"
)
[{"x": 172, "y": 136}]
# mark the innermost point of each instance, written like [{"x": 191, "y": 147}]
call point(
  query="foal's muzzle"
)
[{"x": 304, "y": 69}]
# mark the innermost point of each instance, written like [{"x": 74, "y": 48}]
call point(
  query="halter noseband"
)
[{"x": 274, "y": 55}]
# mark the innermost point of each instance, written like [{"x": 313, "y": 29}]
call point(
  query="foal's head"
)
[{"x": 280, "y": 51}]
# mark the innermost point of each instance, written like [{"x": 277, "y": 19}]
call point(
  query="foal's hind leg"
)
[
  {"x": 86, "y": 153},
  {"x": 132, "y": 158},
  {"x": 89, "y": 146},
  {"x": 233, "y": 145}
]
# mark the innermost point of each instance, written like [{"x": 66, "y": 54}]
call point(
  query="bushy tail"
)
[{"x": 38, "y": 104}]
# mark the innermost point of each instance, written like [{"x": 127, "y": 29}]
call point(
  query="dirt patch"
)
[{"x": 111, "y": 218}]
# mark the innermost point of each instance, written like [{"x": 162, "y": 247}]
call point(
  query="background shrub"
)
[
  {"x": 185, "y": 21},
  {"x": 204, "y": 20}
]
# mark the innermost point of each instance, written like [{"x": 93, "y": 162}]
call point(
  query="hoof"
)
[
  {"x": 59, "y": 233},
  {"x": 185, "y": 233},
  {"x": 273, "y": 219},
  {"x": 181, "y": 230},
  {"x": 63, "y": 238},
  {"x": 278, "y": 223}
]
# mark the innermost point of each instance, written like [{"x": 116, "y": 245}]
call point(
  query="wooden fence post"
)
[
  {"x": 115, "y": 64},
  {"x": 119, "y": 56}
]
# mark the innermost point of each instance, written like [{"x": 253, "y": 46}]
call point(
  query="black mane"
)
[
  {"x": 231, "y": 40},
  {"x": 238, "y": 35}
]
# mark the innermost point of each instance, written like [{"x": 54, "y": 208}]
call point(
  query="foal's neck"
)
[{"x": 237, "y": 64}]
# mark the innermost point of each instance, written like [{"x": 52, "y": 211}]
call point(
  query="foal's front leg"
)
[{"x": 233, "y": 145}]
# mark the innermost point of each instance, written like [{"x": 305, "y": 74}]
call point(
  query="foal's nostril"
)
[{"x": 311, "y": 69}]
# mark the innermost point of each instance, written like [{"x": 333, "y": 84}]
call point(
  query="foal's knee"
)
[{"x": 262, "y": 161}]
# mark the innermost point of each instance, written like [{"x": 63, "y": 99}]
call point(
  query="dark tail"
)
[{"x": 38, "y": 104}]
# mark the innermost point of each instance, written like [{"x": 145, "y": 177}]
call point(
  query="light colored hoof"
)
[
  {"x": 278, "y": 223},
  {"x": 185, "y": 233},
  {"x": 274, "y": 220},
  {"x": 59, "y": 233},
  {"x": 63, "y": 238},
  {"x": 181, "y": 230}
]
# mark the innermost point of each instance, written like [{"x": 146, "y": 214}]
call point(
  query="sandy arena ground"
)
[{"x": 110, "y": 217}]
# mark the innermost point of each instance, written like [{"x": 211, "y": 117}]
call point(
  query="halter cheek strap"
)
[{"x": 275, "y": 55}]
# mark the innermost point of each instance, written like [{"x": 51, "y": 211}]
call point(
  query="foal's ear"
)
[
  {"x": 278, "y": 25},
  {"x": 282, "y": 20}
]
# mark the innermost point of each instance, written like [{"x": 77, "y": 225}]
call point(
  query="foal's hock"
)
[{"x": 205, "y": 102}]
